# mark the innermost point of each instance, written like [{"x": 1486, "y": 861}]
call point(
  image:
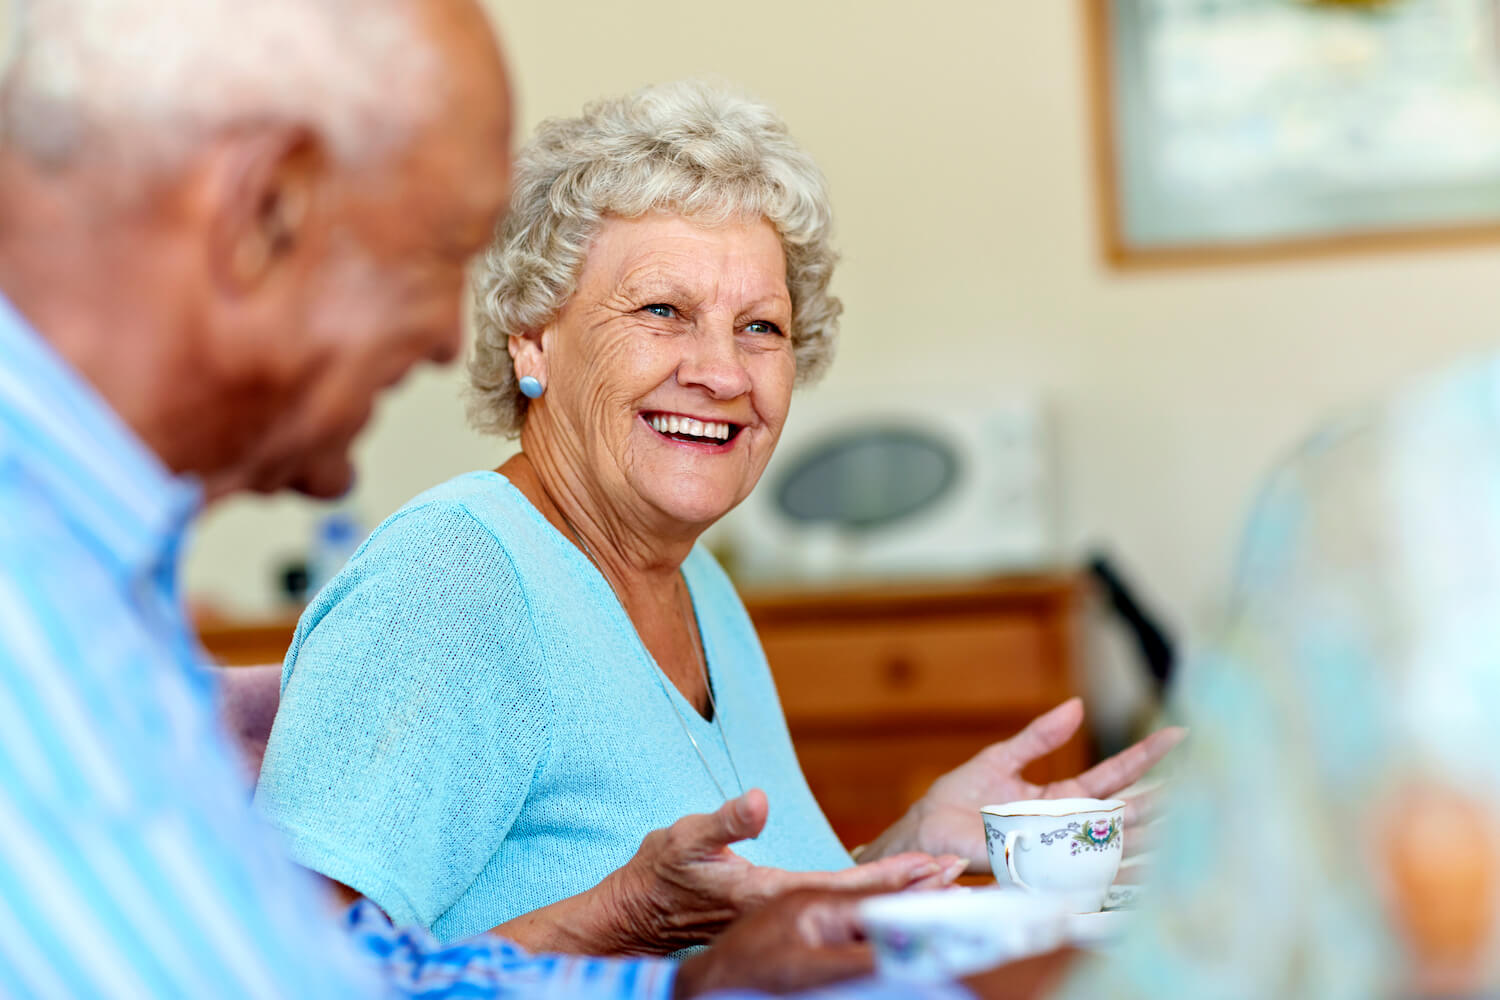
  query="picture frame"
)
[{"x": 1230, "y": 131}]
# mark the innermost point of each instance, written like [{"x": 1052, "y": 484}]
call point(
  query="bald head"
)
[
  {"x": 149, "y": 78},
  {"x": 275, "y": 262}
]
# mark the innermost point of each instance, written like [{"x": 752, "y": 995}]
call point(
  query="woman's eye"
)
[
  {"x": 761, "y": 326},
  {"x": 660, "y": 309}
]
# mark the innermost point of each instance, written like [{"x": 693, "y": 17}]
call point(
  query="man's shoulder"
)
[
  {"x": 54, "y": 589},
  {"x": 30, "y": 522}
]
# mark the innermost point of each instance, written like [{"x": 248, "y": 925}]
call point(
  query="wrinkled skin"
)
[{"x": 685, "y": 885}]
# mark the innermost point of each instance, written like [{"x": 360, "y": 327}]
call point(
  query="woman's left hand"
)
[{"x": 946, "y": 820}]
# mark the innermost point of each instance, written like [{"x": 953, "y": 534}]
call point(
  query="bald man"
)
[{"x": 224, "y": 228}]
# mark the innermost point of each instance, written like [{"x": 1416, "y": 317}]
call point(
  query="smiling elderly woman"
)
[{"x": 524, "y": 672}]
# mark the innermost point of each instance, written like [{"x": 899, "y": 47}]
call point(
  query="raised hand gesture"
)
[
  {"x": 946, "y": 819},
  {"x": 685, "y": 885}
]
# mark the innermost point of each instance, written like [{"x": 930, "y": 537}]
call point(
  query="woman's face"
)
[{"x": 669, "y": 371}]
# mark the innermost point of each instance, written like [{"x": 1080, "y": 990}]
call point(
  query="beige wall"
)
[{"x": 955, "y": 136}]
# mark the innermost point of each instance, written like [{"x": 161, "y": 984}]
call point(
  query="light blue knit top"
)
[{"x": 470, "y": 727}]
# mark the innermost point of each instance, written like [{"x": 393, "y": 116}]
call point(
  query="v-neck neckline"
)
[{"x": 706, "y": 723}]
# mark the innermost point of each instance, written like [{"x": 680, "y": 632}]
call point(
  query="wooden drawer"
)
[
  {"x": 886, "y": 689},
  {"x": 968, "y": 666}
]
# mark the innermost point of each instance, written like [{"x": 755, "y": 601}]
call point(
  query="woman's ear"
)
[{"x": 528, "y": 355}]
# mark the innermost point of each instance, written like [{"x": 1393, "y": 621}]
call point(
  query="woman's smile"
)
[{"x": 705, "y": 434}]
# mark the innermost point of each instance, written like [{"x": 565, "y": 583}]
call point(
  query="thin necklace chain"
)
[{"x": 694, "y": 639}]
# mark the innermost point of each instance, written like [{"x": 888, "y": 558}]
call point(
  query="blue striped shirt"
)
[{"x": 131, "y": 863}]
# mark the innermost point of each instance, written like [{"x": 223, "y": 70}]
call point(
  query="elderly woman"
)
[{"x": 523, "y": 672}]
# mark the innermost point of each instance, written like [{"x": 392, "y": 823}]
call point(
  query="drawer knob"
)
[{"x": 900, "y": 672}]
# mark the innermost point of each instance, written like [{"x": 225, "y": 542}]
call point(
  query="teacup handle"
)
[{"x": 1008, "y": 848}]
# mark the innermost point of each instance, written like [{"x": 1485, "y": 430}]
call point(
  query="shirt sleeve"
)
[
  {"x": 867, "y": 989},
  {"x": 413, "y": 716},
  {"x": 414, "y": 965}
]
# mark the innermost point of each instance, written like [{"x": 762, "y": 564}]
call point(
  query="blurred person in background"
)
[
  {"x": 524, "y": 671},
  {"x": 224, "y": 228},
  {"x": 1331, "y": 834}
]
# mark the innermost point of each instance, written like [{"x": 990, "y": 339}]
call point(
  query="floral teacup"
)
[{"x": 1068, "y": 847}]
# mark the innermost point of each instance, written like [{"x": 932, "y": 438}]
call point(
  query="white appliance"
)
[{"x": 901, "y": 484}]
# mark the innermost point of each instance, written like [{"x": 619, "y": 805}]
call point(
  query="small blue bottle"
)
[{"x": 336, "y": 537}]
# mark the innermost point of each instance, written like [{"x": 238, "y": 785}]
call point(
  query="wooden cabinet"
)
[
  {"x": 884, "y": 688},
  {"x": 246, "y": 644}
]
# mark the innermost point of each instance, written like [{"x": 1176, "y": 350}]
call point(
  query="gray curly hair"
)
[{"x": 692, "y": 148}]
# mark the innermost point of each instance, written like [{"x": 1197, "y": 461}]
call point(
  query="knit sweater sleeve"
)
[{"x": 414, "y": 715}]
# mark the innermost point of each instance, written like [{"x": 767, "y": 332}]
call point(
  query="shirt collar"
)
[{"x": 101, "y": 476}]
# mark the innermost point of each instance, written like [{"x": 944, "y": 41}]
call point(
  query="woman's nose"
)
[{"x": 714, "y": 362}]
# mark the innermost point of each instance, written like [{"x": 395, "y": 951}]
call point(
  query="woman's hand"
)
[
  {"x": 685, "y": 885},
  {"x": 946, "y": 819}
]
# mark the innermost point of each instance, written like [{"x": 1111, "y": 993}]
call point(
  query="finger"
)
[
  {"x": 1044, "y": 734},
  {"x": 1126, "y": 767},
  {"x": 951, "y": 866},
  {"x": 736, "y": 820},
  {"x": 890, "y": 874}
]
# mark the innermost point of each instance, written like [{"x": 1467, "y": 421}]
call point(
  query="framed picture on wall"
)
[{"x": 1242, "y": 129}]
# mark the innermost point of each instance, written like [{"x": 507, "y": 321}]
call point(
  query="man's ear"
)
[{"x": 260, "y": 185}]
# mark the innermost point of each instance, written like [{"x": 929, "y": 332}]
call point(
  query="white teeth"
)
[{"x": 669, "y": 424}]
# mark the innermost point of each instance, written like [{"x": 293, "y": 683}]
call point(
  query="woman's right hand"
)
[{"x": 685, "y": 885}]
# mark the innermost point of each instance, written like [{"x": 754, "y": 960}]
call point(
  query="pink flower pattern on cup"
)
[{"x": 1099, "y": 835}]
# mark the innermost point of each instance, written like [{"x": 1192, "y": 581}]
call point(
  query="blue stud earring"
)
[{"x": 531, "y": 386}]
